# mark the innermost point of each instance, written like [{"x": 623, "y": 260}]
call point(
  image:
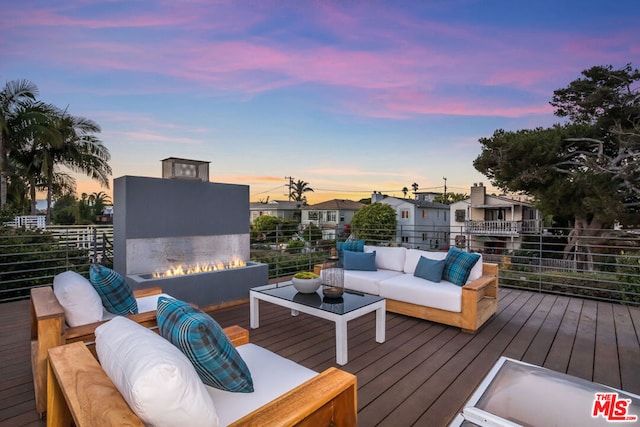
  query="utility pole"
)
[
  {"x": 290, "y": 178},
  {"x": 444, "y": 197}
]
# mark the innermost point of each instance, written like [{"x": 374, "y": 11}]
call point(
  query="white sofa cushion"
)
[
  {"x": 388, "y": 258},
  {"x": 158, "y": 382},
  {"x": 413, "y": 256},
  {"x": 273, "y": 375},
  {"x": 476, "y": 271},
  {"x": 145, "y": 304},
  {"x": 367, "y": 281},
  {"x": 408, "y": 288},
  {"x": 79, "y": 299}
]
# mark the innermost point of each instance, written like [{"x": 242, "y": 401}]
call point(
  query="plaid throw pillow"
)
[
  {"x": 205, "y": 344},
  {"x": 458, "y": 265},
  {"x": 351, "y": 245},
  {"x": 117, "y": 297}
]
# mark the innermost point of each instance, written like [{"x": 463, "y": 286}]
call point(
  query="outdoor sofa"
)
[
  {"x": 81, "y": 392},
  {"x": 391, "y": 272},
  {"x": 51, "y": 328}
]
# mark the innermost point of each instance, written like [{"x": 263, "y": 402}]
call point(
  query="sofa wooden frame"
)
[
  {"x": 479, "y": 303},
  {"x": 81, "y": 392},
  {"x": 48, "y": 330}
]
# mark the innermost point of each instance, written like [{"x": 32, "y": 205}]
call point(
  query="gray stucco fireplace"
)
[{"x": 163, "y": 227}]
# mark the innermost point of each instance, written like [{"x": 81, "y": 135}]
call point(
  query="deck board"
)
[{"x": 424, "y": 371}]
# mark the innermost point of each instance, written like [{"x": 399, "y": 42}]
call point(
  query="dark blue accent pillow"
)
[
  {"x": 458, "y": 265},
  {"x": 351, "y": 245},
  {"x": 116, "y": 295},
  {"x": 429, "y": 269},
  {"x": 363, "y": 261},
  {"x": 205, "y": 344}
]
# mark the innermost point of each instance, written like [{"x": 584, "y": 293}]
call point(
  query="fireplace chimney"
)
[{"x": 174, "y": 167}]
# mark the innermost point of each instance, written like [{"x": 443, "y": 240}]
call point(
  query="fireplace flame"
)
[{"x": 205, "y": 267}]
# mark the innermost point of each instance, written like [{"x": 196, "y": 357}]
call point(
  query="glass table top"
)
[{"x": 350, "y": 300}]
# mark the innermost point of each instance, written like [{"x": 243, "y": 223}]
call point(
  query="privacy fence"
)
[{"x": 595, "y": 264}]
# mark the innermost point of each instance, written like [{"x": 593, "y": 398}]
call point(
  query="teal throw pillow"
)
[
  {"x": 350, "y": 245},
  {"x": 205, "y": 344},
  {"x": 363, "y": 261},
  {"x": 429, "y": 269},
  {"x": 458, "y": 265},
  {"x": 116, "y": 295}
]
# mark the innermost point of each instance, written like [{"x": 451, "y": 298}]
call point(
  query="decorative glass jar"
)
[{"x": 332, "y": 276}]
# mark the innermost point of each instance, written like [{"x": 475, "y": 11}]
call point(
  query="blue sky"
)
[{"x": 350, "y": 96}]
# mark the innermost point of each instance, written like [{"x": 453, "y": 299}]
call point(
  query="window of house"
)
[
  {"x": 425, "y": 237},
  {"x": 331, "y": 216},
  {"x": 461, "y": 241},
  {"x": 313, "y": 215},
  {"x": 405, "y": 239},
  {"x": 424, "y": 213},
  {"x": 341, "y": 218},
  {"x": 460, "y": 215},
  {"x": 404, "y": 214}
]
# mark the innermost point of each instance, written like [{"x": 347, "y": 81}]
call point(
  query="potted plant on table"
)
[{"x": 306, "y": 282}]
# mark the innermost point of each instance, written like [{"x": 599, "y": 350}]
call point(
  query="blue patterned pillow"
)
[
  {"x": 351, "y": 245},
  {"x": 458, "y": 265},
  {"x": 205, "y": 344},
  {"x": 429, "y": 269},
  {"x": 116, "y": 295}
]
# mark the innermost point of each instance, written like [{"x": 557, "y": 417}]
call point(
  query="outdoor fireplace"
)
[{"x": 162, "y": 224}]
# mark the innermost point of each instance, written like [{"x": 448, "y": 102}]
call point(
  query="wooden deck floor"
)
[{"x": 423, "y": 373}]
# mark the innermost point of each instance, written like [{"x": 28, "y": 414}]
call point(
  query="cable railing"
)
[{"x": 595, "y": 264}]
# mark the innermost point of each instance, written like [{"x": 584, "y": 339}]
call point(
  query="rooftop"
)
[{"x": 424, "y": 371}]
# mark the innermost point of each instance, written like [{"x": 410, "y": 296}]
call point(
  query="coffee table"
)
[{"x": 352, "y": 305}]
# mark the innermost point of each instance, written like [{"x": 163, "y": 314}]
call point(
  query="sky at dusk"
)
[{"x": 350, "y": 96}]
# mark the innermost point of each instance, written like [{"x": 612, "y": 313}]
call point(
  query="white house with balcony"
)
[
  {"x": 330, "y": 216},
  {"x": 492, "y": 224},
  {"x": 421, "y": 223}
]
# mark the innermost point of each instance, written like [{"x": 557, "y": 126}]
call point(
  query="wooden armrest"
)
[
  {"x": 237, "y": 335},
  {"x": 326, "y": 399},
  {"x": 480, "y": 283},
  {"x": 44, "y": 303},
  {"x": 79, "y": 389},
  {"x": 154, "y": 290}
]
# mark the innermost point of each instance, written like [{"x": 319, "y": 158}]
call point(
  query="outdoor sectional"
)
[
  {"x": 467, "y": 307},
  {"x": 286, "y": 393}
]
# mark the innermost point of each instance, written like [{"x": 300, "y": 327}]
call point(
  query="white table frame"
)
[{"x": 340, "y": 320}]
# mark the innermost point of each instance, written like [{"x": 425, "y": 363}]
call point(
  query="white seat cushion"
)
[
  {"x": 408, "y": 288},
  {"x": 145, "y": 304},
  {"x": 367, "y": 281},
  {"x": 272, "y": 375}
]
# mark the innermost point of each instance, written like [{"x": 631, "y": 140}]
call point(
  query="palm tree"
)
[
  {"x": 405, "y": 190},
  {"x": 14, "y": 94},
  {"x": 298, "y": 189},
  {"x": 415, "y": 187},
  {"x": 81, "y": 152},
  {"x": 98, "y": 200}
]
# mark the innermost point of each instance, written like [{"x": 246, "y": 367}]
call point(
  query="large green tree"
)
[
  {"x": 586, "y": 168},
  {"x": 375, "y": 223}
]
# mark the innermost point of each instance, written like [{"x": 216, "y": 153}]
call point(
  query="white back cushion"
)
[
  {"x": 413, "y": 256},
  {"x": 78, "y": 298},
  {"x": 155, "y": 378},
  {"x": 388, "y": 258},
  {"x": 476, "y": 271}
]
